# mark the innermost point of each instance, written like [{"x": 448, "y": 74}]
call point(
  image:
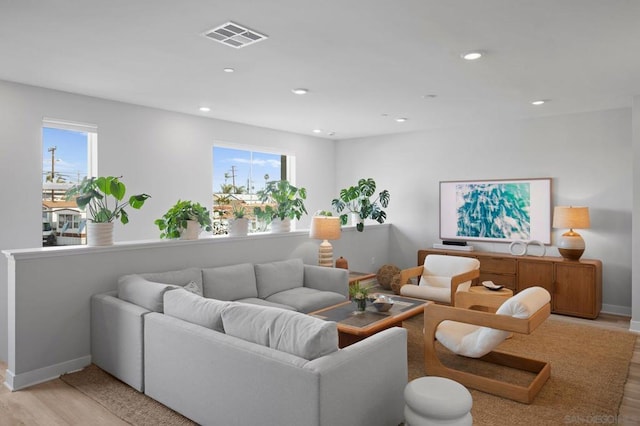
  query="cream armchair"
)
[{"x": 440, "y": 278}]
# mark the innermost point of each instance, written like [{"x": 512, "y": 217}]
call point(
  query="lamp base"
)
[
  {"x": 325, "y": 254},
  {"x": 571, "y": 245}
]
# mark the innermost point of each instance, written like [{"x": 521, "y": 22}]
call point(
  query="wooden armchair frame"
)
[
  {"x": 435, "y": 314},
  {"x": 456, "y": 280}
]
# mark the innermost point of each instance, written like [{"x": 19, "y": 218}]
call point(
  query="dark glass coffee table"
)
[{"x": 354, "y": 326}]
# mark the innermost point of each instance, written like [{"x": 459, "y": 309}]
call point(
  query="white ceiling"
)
[{"x": 360, "y": 59}]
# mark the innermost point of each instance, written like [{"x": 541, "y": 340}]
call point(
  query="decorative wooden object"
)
[
  {"x": 341, "y": 262},
  {"x": 434, "y": 314},
  {"x": 575, "y": 286}
]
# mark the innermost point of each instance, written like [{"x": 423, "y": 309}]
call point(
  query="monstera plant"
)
[
  {"x": 102, "y": 198},
  {"x": 287, "y": 200},
  {"x": 359, "y": 200},
  {"x": 283, "y": 203}
]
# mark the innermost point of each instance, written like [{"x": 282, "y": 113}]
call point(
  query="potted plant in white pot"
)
[
  {"x": 101, "y": 197},
  {"x": 285, "y": 202},
  {"x": 239, "y": 224},
  {"x": 184, "y": 220},
  {"x": 358, "y": 200}
]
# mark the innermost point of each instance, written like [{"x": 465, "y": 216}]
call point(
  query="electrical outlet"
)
[{"x": 373, "y": 260}]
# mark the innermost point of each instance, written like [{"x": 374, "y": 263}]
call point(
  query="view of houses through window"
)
[
  {"x": 237, "y": 177},
  {"x": 68, "y": 156}
]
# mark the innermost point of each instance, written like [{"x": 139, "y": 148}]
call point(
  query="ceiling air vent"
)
[{"x": 234, "y": 35}]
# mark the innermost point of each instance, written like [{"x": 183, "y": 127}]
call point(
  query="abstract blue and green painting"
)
[{"x": 494, "y": 210}]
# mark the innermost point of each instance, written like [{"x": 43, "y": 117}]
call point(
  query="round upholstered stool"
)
[{"x": 437, "y": 401}]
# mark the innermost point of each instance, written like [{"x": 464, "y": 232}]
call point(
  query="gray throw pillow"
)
[
  {"x": 193, "y": 288},
  {"x": 195, "y": 309},
  {"x": 287, "y": 331}
]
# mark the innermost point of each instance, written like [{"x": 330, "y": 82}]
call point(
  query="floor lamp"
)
[{"x": 325, "y": 228}]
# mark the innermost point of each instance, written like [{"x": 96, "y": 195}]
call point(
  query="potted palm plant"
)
[
  {"x": 358, "y": 201},
  {"x": 101, "y": 197},
  {"x": 284, "y": 202},
  {"x": 184, "y": 220},
  {"x": 239, "y": 224}
]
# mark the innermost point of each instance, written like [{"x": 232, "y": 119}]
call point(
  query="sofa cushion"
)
[
  {"x": 305, "y": 299},
  {"x": 286, "y": 331},
  {"x": 142, "y": 292},
  {"x": 230, "y": 282},
  {"x": 195, "y": 309},
  {"x": 275, "y": 277},
  {"x": 262, "y": 302},
  {"x": 181, "y": 277}
]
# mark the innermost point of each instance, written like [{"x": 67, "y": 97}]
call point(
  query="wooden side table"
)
[
  {"x": 360, "y": 276},
  {"x": 482, "y": 299}
]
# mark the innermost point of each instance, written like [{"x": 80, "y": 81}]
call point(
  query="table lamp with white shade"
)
[
  {"x": 571, "y": 245},
  {"x": 325, "y": 228}
]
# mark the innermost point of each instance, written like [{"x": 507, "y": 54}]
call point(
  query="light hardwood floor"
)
[{"x": 56, "y": 403}]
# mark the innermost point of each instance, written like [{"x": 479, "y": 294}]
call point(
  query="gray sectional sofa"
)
[{"x": 232, "y": 345}]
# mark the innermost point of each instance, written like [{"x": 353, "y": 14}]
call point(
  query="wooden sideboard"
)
[{"x": 575, "y": 286}]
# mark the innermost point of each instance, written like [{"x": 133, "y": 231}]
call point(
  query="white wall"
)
[
  {"x": 165, "y": 154},
  {"x": 587, "y": 155},
  {"x": 635, "y": 318}
]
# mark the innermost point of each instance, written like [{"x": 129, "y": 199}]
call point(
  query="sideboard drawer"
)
[{"x": 497, "y": 265}]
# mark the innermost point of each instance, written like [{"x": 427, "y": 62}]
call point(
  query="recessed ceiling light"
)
[
  {"x": 538, "y": 102},
  {"x": 317, "y": 130},
  {"x": 300, "y": 91},
  {"x": 401, "y": 119},
  {"x": 384, "y": 114},
  {"x": 332, "y": 133},
  {"x": 472, "y": 56},
  {"x": 205, "y": 109},
  {"x": 228, "y": 70}
]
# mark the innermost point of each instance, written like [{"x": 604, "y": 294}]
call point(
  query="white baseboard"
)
[
  {"x": 634, "y": 326},
  {"x": 616, "y": 310},
  {"x": 22, "y": 380}
]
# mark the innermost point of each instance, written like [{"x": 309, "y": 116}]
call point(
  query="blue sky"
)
[
  {"x": 70, "y": 153},
  {"x": 247, "y": 166}
]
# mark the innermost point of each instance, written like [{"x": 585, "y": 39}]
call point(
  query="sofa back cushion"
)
[
  {"x": 230, "y": 282},
  {"x": 287, "y": 331},
  {"x": 182, "y": 277},
  {"x": 142, "y": 292},
  {"x": 195, "y": 309},
  {"x": 275, "y": 277}
]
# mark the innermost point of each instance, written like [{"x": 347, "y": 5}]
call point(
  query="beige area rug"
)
[
  {"x": 121, "y": 399},
  {"x": 589, "y": 368},
  {"x": 588, "y": 371}
]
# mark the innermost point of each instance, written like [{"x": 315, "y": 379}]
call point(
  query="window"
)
[
  {"x": 68, "y": 156},
  {"x": 238, "y": 174}
]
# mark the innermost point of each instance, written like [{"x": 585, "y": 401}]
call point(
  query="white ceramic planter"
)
[
  {"x": 239, "y": 227},
  {"x": 279, "y": 226},
  {"x": 99, "y": 234},
  {"x": 192, "y": 232}
]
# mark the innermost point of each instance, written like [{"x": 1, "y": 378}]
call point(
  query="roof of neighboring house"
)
[{"x": 54, "y": 205}]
